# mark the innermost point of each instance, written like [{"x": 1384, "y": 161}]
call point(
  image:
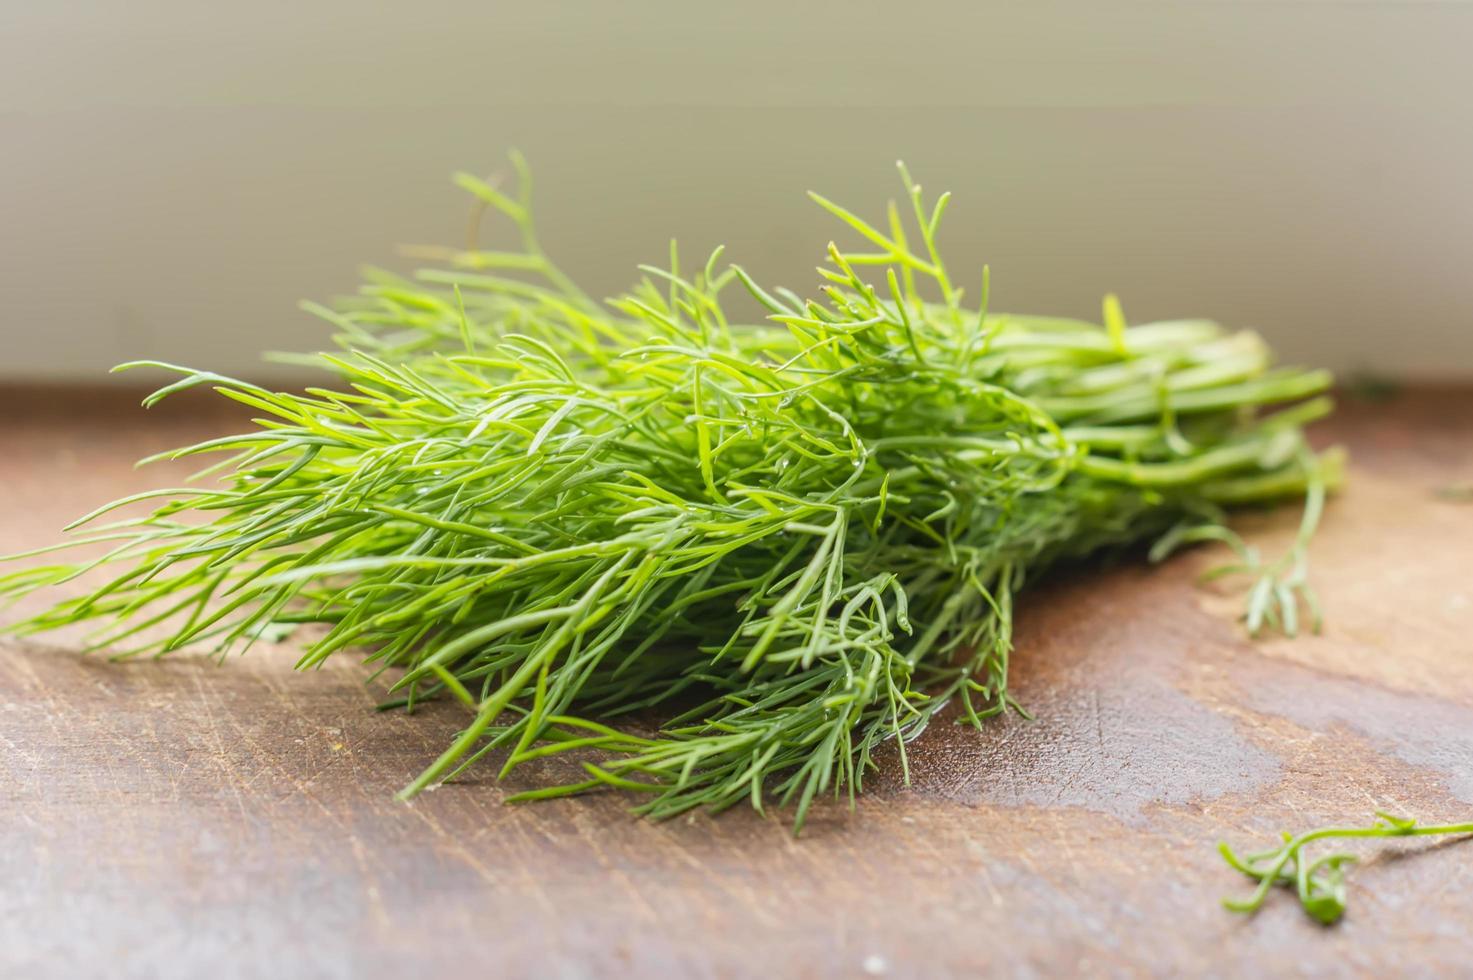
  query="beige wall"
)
[{"x": 174, "y": 176}]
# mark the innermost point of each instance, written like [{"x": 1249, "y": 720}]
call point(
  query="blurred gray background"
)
[{"x": 175, "y": 176}]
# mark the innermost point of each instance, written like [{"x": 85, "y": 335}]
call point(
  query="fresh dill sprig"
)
[
  {"x": 1320, "y": 884},
  {"x": 788, "y": 542}
]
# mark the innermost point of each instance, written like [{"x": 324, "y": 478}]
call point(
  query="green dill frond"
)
[
  {"x": 788, "y": 542},
  {"x": 1318, "y": 884}
]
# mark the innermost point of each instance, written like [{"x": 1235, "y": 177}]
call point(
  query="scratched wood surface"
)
[{"x": 179, "y": 818}]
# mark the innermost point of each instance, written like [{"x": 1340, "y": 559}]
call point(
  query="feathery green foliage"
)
[
  {"x": 1319, "y": 884},
  {"x": 790, "y": 543}
]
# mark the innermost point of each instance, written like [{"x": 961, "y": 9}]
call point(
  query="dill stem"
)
[{"x": 1318, "y": 884}]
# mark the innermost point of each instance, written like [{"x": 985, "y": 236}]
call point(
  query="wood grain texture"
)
[{"x": 180, "y": 818}]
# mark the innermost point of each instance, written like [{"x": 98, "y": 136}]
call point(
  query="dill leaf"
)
[
  {"x": 1318, "y": 884},
  {"x": 789, "y": 543}
]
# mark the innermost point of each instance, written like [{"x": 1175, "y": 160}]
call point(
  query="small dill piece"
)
[
  {"x": 1455, "y": 493},
  {"x": 1319, "y": 883},
  {"x": 791, "y": 542}
]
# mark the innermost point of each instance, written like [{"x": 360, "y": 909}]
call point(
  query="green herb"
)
[
  {"x": 1368, "y": 386},
  {"x": 790, "y": 543},
  {"x": 1320, "y": 883},
  {"x": 1457, "y": 493}
]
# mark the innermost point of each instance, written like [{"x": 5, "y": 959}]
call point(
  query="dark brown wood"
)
[{"x": 182, "y": 818}]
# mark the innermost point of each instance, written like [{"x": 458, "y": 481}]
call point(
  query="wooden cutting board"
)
[{"x": 180, "y": 818}]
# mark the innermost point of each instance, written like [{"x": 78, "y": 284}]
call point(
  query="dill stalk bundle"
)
[{"x": 786, "y": 543}]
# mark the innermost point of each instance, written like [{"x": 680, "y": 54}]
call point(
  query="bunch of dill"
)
[{"x": 789, "y": 542}]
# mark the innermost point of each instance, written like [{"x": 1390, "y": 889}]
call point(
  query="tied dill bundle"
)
[{"x": 786, "y": 543}]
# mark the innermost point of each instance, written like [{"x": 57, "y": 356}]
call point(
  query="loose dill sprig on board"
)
[
  {"x": 788, "y": 543},
  {"x": 1319, "y": 884}
]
